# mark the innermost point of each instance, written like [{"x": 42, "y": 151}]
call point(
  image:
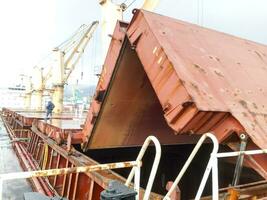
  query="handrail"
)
[
  {"x": 211, "y": 164},
  {"x": 62, "y": 171},
  {"x": 154, "y": 166},
  {"x": 136, "y": 165},
  {"x": 237, "y": 153}
]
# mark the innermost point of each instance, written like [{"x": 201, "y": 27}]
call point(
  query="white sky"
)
[{"x": 31, "y": 28}]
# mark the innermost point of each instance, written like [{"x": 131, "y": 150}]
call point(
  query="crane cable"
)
[
  {"x": 75, "y": 34},
  {"x": 127, "y": 6},
  {"x": 66, "y": 45}
]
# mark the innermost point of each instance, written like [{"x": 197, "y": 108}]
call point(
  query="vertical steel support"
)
[
  {"x": 137, "y": 176},
  {"x": 240, "y": 159},
  {"x": 215, "y": 181},
  {"x": 212, "y": 165},
  {"x": 58, "y": 85},
  {"x": 37, "y": 93},
  {"x": 58, "y": 96}
]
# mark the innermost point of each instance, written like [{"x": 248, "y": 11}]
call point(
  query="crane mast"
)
[
  {"x": 37, "y": 89},
  {"x": 65, "y": 63},
  {"x": 150, "y": 5},
  {"x": 28, "y": 92},
  {"x": 111, "y": 12},
  {"x": 68, "y": 54}
]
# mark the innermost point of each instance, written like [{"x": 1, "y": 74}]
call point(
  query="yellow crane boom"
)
[
  {"x": 66, "y": 61},
  {"x": 67, "y": 56}
]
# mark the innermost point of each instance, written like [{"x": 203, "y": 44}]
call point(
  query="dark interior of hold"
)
[
  {"x": 172, "y": 159},
  {"x": 131, "y": 110}
]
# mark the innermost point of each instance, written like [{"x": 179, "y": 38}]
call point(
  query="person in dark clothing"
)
[{"x": 49, "y": 108}]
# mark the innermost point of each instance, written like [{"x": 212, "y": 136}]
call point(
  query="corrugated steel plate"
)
[
  {"x": 214, "y": 71},
  {"x": 204, "y": 81}
]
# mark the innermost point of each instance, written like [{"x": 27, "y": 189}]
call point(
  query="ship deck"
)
[{"x": 9, "y": 162}]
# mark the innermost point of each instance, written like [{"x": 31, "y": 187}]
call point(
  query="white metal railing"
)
[
  {"x": 62, "y": 171},
  {"x": 154, "y": 166},
  {"x": 136, "y": 168},
  {"x": 238, "y": 153},
  {"x": 212, "y": 164},
  {"x": 135, "y": 172}
]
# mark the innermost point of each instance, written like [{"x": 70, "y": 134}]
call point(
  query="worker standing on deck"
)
[{"x": 49, "y": 108}]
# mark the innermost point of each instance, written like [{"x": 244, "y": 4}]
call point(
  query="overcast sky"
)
[{"x": 31, "y": 28}]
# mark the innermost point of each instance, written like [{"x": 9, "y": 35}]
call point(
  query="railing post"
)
[
  {"x": 137, "y": 181},
  {"x": 215, "y": 182},
  {"x": 154, "y": 166},
  {"x": 211, "y": 165}
]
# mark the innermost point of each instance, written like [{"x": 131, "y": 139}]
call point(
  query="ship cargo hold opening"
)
[
  {"x": 179, "y": 112},
  {"x": 172, "y": 160},
  {"x": 131, "y": 111}
]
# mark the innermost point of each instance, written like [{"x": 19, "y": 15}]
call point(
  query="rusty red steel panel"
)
[
  {"x": 131, "y": 111},
  {"x": 75, "y": 186},
  {"x": 27, "y": 118},
  {"x": 184, "y": 80},
  {"x": 198, "y": 70},
  {"x": 60, "y": 128},
  {"x": 217, "y": 72},
  {"x": 113, "y": 52}
]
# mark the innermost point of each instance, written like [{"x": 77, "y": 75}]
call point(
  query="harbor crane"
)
[
  {"x": 39, "y": 81},
  {"x": 67, "y": 56}
]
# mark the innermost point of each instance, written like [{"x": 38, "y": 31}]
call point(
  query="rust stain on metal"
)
[
  {"x": 172, "y": 63},
  {"x": 228, "y": 73},
  {"x": 104, "y": 79},
  {"x": 73, "y": 183},
  {"x": 199, "y": 68}
]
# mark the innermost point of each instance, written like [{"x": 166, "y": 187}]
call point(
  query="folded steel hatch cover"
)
[{"x": 198, "y": 79}]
